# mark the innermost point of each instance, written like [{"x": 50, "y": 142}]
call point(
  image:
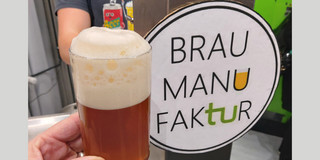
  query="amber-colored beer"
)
[
  {"x": 120, "y": 134},
  {"x": 111, "y": 73}
]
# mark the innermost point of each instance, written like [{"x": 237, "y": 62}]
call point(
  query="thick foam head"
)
[
  {"x": 111, "y": 68},
  {"x": 101, "y": 42}
]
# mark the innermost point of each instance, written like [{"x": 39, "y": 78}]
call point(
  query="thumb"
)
[{"x": 89, "y": 158}]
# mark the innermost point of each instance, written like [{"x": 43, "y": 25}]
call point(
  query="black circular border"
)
[{"x": 223, "y": 7}]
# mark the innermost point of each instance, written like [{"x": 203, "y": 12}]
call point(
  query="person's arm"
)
[{"x": 71, "y": 21}]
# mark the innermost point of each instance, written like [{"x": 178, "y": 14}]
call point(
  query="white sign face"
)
[{"x": 215, "y": 67}]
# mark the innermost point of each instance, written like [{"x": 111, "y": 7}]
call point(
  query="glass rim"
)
[{"x": 95, "y": 58}]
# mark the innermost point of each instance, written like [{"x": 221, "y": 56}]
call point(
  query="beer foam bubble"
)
[{"x": 110, "y": 68}]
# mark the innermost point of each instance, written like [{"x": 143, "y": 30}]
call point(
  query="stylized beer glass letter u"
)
[{"x": 241, "y": 79}]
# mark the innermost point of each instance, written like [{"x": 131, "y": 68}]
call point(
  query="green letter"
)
[
  {"x": 233, "y": 115},
  {"x": 209, "y": 111}
]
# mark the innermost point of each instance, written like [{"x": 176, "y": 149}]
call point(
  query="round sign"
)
[{"x": 215, "y": 67}]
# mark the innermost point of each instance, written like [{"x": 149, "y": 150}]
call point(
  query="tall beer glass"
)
[{"x": 111, "y": 75}]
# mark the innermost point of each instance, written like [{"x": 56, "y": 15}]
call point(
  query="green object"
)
[
  {"x": 275, "y": 105},
  {"x": 273, "y": 11},
  {"x": 210, "y": 110}
]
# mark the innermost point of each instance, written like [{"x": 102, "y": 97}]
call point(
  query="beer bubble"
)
[
  {"x": 111, "y": 79},
  {"x": 129, "y": 69},
  {"x": 112, "y": 65},
  {"x": 101, "y": 72},
  {"x": 97, "y": 78},
  {"x": 122, "y": 53},
  {"x": 89, "y": 67}
]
